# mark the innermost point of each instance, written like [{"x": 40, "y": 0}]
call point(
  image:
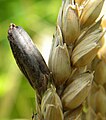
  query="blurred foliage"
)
[{"x": 38, "y": 18}]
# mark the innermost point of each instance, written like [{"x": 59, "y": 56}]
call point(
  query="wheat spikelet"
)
[{"x": 69, "y": 88}]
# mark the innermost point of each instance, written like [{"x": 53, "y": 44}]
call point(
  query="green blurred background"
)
[{"x": 38, "y": 18}]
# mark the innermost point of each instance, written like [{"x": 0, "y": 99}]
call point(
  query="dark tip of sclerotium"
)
[{"x": 12, "y": 25}]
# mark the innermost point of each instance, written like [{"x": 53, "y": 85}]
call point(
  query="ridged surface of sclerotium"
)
[
  {"x": 28, "y": 58},
  {"x": 76, "y": 92}
]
